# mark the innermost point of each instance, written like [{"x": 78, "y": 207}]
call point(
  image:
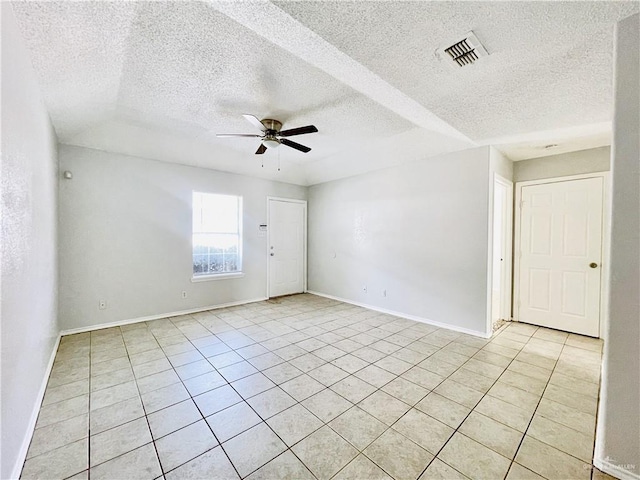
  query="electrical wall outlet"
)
[
  {"x": 184, "y": 294},
  {"x": 102, "y": 304}
]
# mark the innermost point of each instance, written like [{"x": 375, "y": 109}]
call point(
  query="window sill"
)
[{"x": 219, "y": 276}]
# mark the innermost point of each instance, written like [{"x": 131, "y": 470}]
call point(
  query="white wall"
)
[
  {"x": 618, "y": 435},
  {"x": 29, "y": 243},
  {"x": 418, "y": 231},
  {"x": 574, "y": 163},
  {"x": 125, "y": 226}
]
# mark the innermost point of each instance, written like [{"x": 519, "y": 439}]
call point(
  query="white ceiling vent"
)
[{"x": 465, "y": 51}]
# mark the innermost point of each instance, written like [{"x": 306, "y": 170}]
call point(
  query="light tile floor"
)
[{"x": 305, "y": 387}]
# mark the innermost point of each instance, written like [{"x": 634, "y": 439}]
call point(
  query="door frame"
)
[
  {"x": 505, "y": 295},
  {"x": 604, "y": 255},
  {"x": 304, "y": 240}
]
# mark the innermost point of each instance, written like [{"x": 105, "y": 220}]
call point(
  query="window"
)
[{"x": 217, "y": 234}]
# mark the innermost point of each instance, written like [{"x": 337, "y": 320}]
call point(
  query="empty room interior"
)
[{"x": 320, "y": 240}]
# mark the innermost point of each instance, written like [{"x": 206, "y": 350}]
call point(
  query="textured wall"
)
[
  {"x": 29, "y": 242},
  {"x": 418, "y": 231},
  {"x": 125, "y": 226},
  {"x": 618, "y": 437},
  {"x": 574, "y": 163}
]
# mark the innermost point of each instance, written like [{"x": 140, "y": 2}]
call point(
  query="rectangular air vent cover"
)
[{"x": 465, "y": 51}]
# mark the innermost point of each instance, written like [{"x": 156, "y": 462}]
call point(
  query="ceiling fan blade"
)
[
  {"x": 223, "y": 135},
  {"x": 295, "y": 145},
  {"x": 261, "y": 149},
  {"x": 298, "y": 131},
  {"x": 253, "y": 120}
]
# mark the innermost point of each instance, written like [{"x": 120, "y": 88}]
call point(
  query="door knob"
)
[{"x": 593, "y": 265}]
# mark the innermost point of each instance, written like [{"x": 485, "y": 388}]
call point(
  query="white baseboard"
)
[
  {"x": 119, "y": 323},
  {"x": 614, "y": 470},
  {"x": 404, "y": 315},
  {"x": 26, "y": 441}
]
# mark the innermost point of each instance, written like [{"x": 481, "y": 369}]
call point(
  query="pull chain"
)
[{"x": 278, "y": 159}]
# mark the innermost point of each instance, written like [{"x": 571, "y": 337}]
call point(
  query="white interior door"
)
[
  {"x": 287, "y": 226},
  {"x": 501, "y": 258},
  {"x": 561, "y": 249}
]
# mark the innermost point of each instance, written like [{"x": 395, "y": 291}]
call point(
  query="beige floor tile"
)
[
  {"x": 112, "y": 378},
  {"x": 294, "y": 424},
  {"x": 149, "y": 368},
  {"x": 550, "y": 462},
  {"x": 147, "y": 356},
  {"x": 393, "y": 365},
  {"x": 282, "y": 373},
  {"x": 307, "y": 362},
  {"x": 66, "y": 391},
  {"x": 505, "y": 413},
  {"x": 358, "y": 427},
  {"x": 492, "y": 358},
  {"x": 529, "y": 370},
  {"x": 59, "y": 463},
  {"x": 157, "y": 380},
  {"x": 450, "y": 357},
  {"x": 490, "y": 433},
  {"x": 119, "y": 440},
  {"x": 271, "y": 402},
  {"x": 210, "y": 465},
  {"x": 109, "y": 396},
  {"x": 375, "y": 376},
  {"x": 290, "y": 352},
  {"x": 473, "y": 459},
  {"x": 285, "y": 466},
  {"x": 232, "y": 421},
  {"x": 139, "y": 464},
  {"x": 563, "y": 438},
  {"x": 266, "y": 360},
  {"x": 368, "y": 354},
  {"x": 326, "y": 405},
  {"x": 216, "y": 400},
  {"x": 422, "y": 377},
  {"x": 328, "y": 374},
  {"x": 253, "y": 448},
  {"x": 411, "y": 356},
  {"x": 568, "y": 398},
  {"x": 204, "y": 383},
  {"x": 237, "y": 371},
  {"x": 567, "y": 416},
  {"x": 173, "y": 418},
  {"x": 58, "y": 434},
  {"x": 438, "y": 366},
  {"x": 117, "y": 414},
  {"x": 384, "y": 407},
  {"x": 514, "y": 395},
  {"x": 193, "y": 369},
  {"x": 459, "y": 393},
  {"x": 424, "y": 430},
  {"x": 302, "y": 387},
  {"x": 398, "y": 456},
  {"x": 336, "y": 452},
  {"x": 485, "y": 369},
  {"x": 110, "y": 366},
  {"x": 598, "y": 475},
  {"x": 252, "y": 385},
  {"x": 406, "y": 391},
  {"x": 353, "y": 389},
  {"x": 184, "y": 445},
  {"x": 518, "y": 472},
  {"x": 251, "y": 351},
  {"x": 164, "y": 397},
  {"x": 536, "y": 359},
  {"x": 441, "y": 408},
  {"x": 472, "y": 380},
  {"x": 577, "y": 386},
  {"x": 329, "y": 353},
  {"x": 362, "y": 468},
  {"x": 56, "y": 412},
  {"x": 350, "y": 363},
  {"x": 523, "y": 382},
  {"x": 438, "y": 470},
  {"x": 225, "y": 359}
]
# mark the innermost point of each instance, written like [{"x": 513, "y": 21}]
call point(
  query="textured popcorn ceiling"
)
[{"x": 159, "y": 79}]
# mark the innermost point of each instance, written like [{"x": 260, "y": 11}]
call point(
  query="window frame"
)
[{"x": 221, "y": 275}]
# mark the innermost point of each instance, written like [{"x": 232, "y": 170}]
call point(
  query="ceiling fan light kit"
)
[{"x": 272, "y": 134}]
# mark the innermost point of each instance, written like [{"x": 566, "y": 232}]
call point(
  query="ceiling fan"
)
[{"x": 271, "y": 134}]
